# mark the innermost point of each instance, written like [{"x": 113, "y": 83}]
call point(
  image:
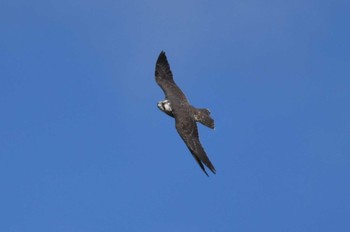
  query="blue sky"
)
[{"x": 83, "y": 146}]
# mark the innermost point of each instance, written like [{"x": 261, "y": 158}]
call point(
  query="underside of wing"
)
[
  {"x": 163, "y": 72},
  {"x": 164, "y": 78},
  {"x": 187, "y": 129}
]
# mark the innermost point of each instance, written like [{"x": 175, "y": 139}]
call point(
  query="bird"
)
[{"x": 186, "y": 116}]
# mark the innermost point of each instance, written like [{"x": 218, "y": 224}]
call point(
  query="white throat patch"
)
[
  {"x": 167, "y": 106},
  {"x": 164, "y": 106}
]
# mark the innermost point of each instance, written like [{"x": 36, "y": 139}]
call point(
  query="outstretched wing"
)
[
  {"x": 164, "y": 79},
  {"x": 185, "y": 124},
  {"x": 187, "y": 128}
]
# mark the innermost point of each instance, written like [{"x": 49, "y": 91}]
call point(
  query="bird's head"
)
[{"x": 165, "y": 106}]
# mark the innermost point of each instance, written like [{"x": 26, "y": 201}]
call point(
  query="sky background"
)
[{"x": 84, "y": 148}]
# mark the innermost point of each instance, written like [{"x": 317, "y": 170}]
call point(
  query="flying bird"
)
[{"x": 186, "y": 116}]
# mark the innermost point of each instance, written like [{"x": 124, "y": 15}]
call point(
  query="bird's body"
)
[{"x": 186, "y": 116}]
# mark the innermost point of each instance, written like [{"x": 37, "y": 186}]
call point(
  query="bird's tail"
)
[{"x": 203, "y": 116}]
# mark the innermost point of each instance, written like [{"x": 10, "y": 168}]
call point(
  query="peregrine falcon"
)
[{"x": 186, "y": 116}]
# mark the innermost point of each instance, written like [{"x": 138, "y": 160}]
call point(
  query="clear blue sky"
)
[{"x": 84, "y": 148}]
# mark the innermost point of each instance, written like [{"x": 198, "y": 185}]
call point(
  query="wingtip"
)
[
  {"x": 209, "y": 166},
  {"x": 212, "y": 170},
  {"x": 162, "y": 69},
  {"x": 162, "y": 54},
  {"x": 162, "y": 58}
]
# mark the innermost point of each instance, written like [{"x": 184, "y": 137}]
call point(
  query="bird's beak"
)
[{"x": 159, "y": 105}]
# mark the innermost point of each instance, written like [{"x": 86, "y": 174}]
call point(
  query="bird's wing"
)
[
  {"x": 187, "y": 128},
  {"x": 185, "y": 124},
  {"x": 165, "y": 80}
]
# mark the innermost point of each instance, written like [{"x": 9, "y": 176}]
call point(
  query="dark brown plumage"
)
[{"x": 176, "y": 105}]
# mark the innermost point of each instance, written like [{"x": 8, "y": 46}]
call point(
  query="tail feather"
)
[{"x": 203, "y": 116}]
